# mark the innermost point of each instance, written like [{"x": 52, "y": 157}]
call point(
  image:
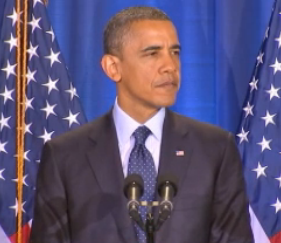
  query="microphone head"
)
[
  {"x": 133, "y": 180},
  {"x": 167, "y": 179}
]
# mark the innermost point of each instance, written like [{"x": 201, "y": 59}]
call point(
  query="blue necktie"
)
[{"x": 141, "y": 162}]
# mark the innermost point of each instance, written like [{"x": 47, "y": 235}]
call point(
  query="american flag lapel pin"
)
[{"x": 179, "y": 153}]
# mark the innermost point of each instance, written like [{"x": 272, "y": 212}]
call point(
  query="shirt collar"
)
[{"x": 126, "y": 125}]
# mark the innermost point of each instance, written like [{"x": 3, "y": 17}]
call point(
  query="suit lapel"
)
[
  {"x": 174, "y": 156},
  {"x": 106, "y": 165},
  {"x": 174, "y": 153}
]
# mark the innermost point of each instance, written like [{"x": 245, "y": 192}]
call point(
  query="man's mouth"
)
[{"x": 167, "y": 84}]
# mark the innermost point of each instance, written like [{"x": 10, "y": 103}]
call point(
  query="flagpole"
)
[
  {"x": 20, "y": 104},
  {"x": 18, "y": 100}
]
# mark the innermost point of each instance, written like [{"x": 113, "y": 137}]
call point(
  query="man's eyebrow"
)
[
  {"x": 176, "y": 46},
  {"x": 152, "y": 48},
  {"x": 156, "y": 47}
]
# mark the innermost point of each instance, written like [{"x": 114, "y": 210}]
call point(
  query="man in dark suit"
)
[{"x": 79, "y": 197}]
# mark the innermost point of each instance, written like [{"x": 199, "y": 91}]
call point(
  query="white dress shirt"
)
[{"x": 125, "y": 127}]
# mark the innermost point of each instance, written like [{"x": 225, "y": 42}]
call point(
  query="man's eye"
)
[
  {"x": 177, "y": 53},
  {"x": 153, "y": 53}
]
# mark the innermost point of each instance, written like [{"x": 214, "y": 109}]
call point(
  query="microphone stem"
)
[{"x": 149, "y": 228}]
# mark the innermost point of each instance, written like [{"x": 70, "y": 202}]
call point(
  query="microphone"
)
[
  {"x": 167, "y": 189},
  {"x": 133, "y": 190}
]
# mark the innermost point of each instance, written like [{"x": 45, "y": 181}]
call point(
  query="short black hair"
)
[{"x": 119, "y": 25}]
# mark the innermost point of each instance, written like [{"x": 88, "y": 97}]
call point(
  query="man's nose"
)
[{"x": 170, "y": 63}]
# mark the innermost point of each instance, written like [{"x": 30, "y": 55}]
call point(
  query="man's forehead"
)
[
  {"x": 147, "y": 24},
  {"x": 152, "y": 30}
]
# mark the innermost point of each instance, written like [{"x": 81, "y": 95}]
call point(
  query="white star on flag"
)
[
  {"x": 253, "y": 84},
  {"x": 4, "y": 122},
  {"x": 30, "y": 75},
  {"x": 27, "y": 128},
  {"x": 277, "y": 206},
  {"x": 46, "y": 136},
  {"x": 265, "y": 144},
  {"x": 12, "y": 42},
  {"x": 25, "y": 155},
  {"x": 260, "y": 58},
  {"x": 279, "y": 179},
  {"x": 51, "y": 32},
  {"x": 243, "y": 136},
  {"x": 276, "y": 66},
  {"x": 9, "y": 69},
  {"x": 7, "y": 94},
  {"x": 72, "y": 118},
  {"x": 72, "y": 92},
  {"x": 273, "y": 92},
  {"x": 49, "y": 109},
  {"x": 260, "y": 170},
  {"x": 2, "y": 147},
  {"x": 278, "y": 40},
  {"x": 28, "y": 103},
  {"x": 14, "y": 16},
  {"x": 53, "y": 57},
  {"x": 1, "y": 174},
  {"x": 35, "y": 2},
  {"x": 266, "y": 33},
  {"x": 248, "y": 110},
  {"x": 268, "y": 118},
  {"x": 32, "y": 51},
  {"x": 34, "y": 23},
  {"x": 51, "y": 85},
  {"x": 23, "y": 180},
  {"x": 16, "y": 207}
]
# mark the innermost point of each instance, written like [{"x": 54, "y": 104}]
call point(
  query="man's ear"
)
[{"x": 110, "y": 65}]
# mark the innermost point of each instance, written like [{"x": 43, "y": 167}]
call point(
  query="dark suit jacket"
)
[{"x": 79, "y": 197}]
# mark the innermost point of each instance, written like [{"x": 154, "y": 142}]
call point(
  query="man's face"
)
[{"x": 149, "y": 65}]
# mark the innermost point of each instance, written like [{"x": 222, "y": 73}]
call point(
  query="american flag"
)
[
  {"x": 52, "y": 107},
  {"x": 259, "y": 137}
]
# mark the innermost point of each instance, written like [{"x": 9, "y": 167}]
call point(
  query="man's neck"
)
[{"x": 139, "y": 113}]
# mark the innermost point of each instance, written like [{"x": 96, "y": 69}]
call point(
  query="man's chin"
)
[{"x": 166, "y": 103}]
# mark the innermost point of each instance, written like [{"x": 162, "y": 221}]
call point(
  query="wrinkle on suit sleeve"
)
[
  {"x": 230, "y": 216},
  {"x": 50, "y": 213}
]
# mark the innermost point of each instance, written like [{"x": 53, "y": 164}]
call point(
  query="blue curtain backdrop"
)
[{"x": 220, "y": 41}]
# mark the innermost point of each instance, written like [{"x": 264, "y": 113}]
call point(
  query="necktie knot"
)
[{"x": 141, "y": 134}]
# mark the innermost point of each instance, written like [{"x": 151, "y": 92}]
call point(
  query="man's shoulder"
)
[
  {"x": 204, "y": 135},
  {"x": 199, "y": 128}
]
